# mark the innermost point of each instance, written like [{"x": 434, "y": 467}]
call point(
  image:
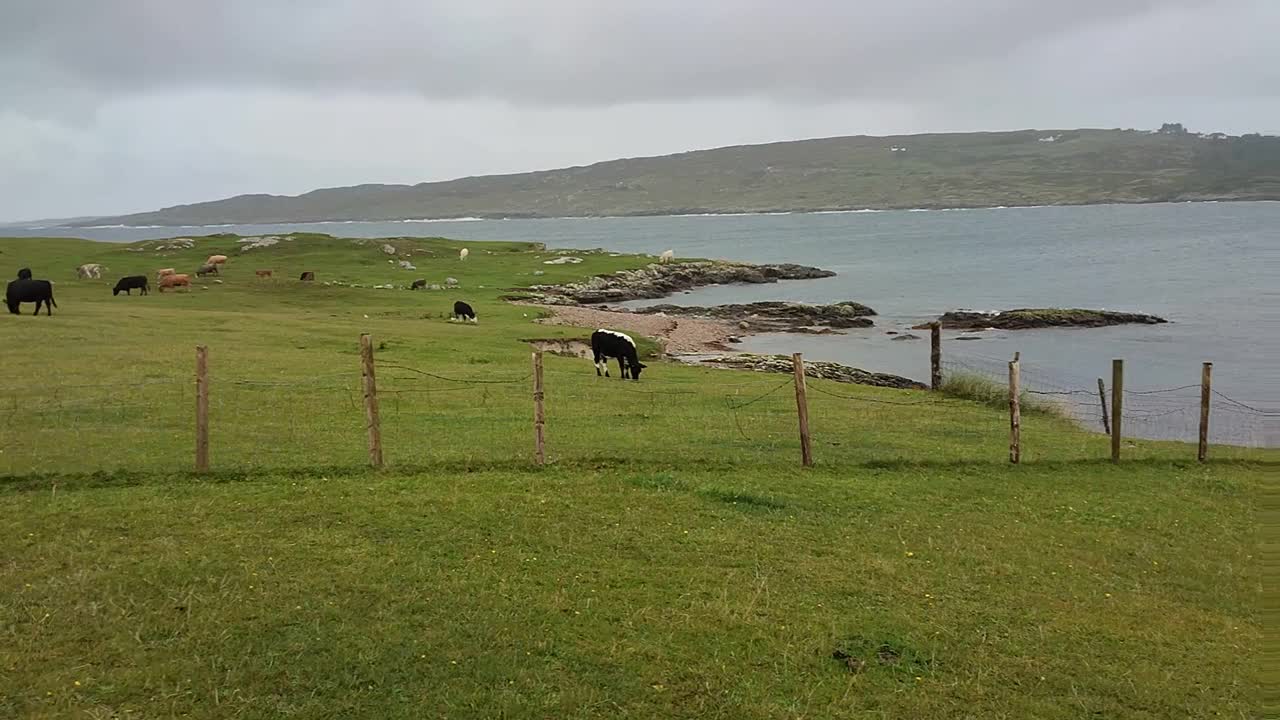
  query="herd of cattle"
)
[
  {"x": 26, "y": 289},
  {"x": 605, "y": 344}
]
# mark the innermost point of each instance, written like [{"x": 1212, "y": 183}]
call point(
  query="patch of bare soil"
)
[
  {"x": 677, "y": 335},
  {"x": 558, "y": 346}
]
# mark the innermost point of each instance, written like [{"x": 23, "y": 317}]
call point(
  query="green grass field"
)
[{"x": 671, "y": 560}]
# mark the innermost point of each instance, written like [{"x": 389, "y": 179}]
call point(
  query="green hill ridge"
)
[{"x": 953, "y": 170}]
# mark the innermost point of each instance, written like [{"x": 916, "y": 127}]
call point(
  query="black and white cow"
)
[
  {"x": 607, "y": 344},
  {"x": 33, "y": 291},
  {"x": 463, "y": 311}
]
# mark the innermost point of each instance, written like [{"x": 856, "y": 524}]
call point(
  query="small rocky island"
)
[
  {"x": 661, "y": 280},
  {"x": 1030, "y": 318},
  {"x": 776, "y": 316}
]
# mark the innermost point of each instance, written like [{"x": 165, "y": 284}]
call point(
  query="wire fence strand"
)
[{"x": 263, "y": 420}]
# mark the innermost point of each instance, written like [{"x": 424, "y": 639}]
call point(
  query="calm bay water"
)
[{"x": 1213, "y": 269}]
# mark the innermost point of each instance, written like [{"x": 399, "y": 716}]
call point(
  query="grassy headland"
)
[
  {"x": 671, "y": 562},
  {"x": 843, "y": 173}
]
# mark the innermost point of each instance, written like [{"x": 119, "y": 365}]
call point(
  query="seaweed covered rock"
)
[
  {"x": 776, "y": 316},
  {"x": 657, "y": 281},
  {"x": 821, "y": 370},
  {"x": 1029, "y": 318}
]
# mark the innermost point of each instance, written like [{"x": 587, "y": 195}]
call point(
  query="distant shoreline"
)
[{"x": 706, "y": 213}]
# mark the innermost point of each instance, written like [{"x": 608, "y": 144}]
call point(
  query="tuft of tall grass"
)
[{"x": 982, "y": 389}]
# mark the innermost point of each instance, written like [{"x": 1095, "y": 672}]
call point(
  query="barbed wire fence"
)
[
  {"x": 429, "y": 417},
  {"x": 1152, "y": 413},
  {"x": 276, "y": 421},
  {"x": 477, "y": 417},
  {"x": 54, "y": 428}
]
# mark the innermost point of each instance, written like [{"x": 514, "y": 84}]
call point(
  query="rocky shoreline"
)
[
  {"x": 822, "y": 370},
  {"x": 1032, "y": 318},
  {"x": 775, "y": 316},
  {"x": 695, "y": 330},
  {"x": 661, "y": 280}
]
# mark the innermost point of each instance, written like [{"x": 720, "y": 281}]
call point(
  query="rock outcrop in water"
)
[
  {"x": 1029, "y": 318},
  {"x": 657, "y": 281},
  {"x": 821, "y": 370},
  {"x": 775, "y": 316}
]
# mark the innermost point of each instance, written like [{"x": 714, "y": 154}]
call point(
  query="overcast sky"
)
[{"x": 113, "y": 106}]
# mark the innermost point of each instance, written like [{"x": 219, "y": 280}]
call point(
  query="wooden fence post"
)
[
  {"x": 539, "y": 418},
  {"x": 1015, "y": 410},
  {"x": 1102, "y": 398},
  {"x": 1117, "y": 406},
  {"x": 372, "y": 422},
  {"x": 935, "y": 356},
  {"x": 802, "y": 410},
  {"x": 1206, "y": 377},
  {"x": 202, "y": 408}
]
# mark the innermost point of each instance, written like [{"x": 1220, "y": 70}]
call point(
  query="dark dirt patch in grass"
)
[
  {"x": 745, "y": 500},
  {"x": 864, "y": 655},
  {"x": 657, "y": 481}
]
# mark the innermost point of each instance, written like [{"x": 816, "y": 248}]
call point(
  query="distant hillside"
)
[{"x": 927, "y": 171}]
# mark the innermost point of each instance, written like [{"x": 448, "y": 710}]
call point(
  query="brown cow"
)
[
  {"x": 216, "y": 260},
  {"x": 165, "y": 271},
  {"x": 262, "y": 273},
  {"x": 308, "y": 276},
  {"x": 175, "y": 281}
]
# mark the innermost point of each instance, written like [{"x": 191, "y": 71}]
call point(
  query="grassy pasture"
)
[{"x": 672, "y": 561}]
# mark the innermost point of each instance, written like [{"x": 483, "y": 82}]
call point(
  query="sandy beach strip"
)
[{"x": 679, "y": 335}]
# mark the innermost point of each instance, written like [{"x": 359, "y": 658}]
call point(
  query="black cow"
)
[
  {"x": 463, "y": 311},
  {"x": 24, "y": 274},
  {"x": 131, "y": 283},
  {"x": 27, "y": 290},
  {"x": 418, "y": 284},
  {"x": 607, "y": 344}
]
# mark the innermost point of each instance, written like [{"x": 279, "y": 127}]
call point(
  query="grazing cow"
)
[
  {"x": 666, "y": 256},
  {"x": 175, "y": 281},
  {"x": 262, "y": 274},
  {"x": 418, "y": 284},
  {"x": 607, "y": 344},
  {"x": 24, "y": 274},
  {"x": 207, "y": 269},
  {"x": 216, "y": 260},
  {"x": 463, "y": 311},
  {"x": 462, "y": 254},
  {"x": 308, "y": 276},
  {"x": 131, "y": 283},
  {"x": 163, "y": 272},
  {"x": 89, "y": 271},
  {"x": 28, "y": 290}
]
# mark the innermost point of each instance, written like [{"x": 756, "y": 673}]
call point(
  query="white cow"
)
[
  {"x": 89, "y": 271},
  {"x": 462, "y": 255},
  {"x": 666, "y": 256}
]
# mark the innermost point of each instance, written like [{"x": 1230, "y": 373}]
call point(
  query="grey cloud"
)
[
  {"x": 110, "y": 106},
  {"x": 553, "y": 51}
]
